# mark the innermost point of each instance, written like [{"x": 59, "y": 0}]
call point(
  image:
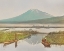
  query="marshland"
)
[{"x": 31, "y": 40}]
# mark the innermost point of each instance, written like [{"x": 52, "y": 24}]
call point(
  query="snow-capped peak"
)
[{"x": 34, "y": 10}]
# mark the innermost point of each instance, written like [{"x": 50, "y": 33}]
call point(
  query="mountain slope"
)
[
  {"x": 53, "y": 20},
  {"x": 33, "y": 14}
]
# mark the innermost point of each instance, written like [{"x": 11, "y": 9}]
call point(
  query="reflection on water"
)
[
  {"x": 33, "y": 43},
  {"x": 35, "y": 39}
]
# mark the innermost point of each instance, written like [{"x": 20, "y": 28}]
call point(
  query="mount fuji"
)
[{"x": 32, "y": 14}]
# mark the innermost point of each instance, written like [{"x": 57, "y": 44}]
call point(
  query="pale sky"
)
[{"x": 12, "y": 8}]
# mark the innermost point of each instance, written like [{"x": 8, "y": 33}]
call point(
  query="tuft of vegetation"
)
[
  {"x": 56, "y": 38},
  {"x": 8, "y": 36}
]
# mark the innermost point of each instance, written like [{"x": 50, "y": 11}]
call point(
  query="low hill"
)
[{"x": 53, "y": 20}]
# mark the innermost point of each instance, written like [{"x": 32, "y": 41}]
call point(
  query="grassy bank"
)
[
  {"x": 56, "y": 38},
  {"x": 8, "y": 36}
]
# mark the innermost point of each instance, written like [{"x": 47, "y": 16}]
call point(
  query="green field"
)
[
  {"x": 56, "y": 38},
  {"x": 8, "y": 36}
]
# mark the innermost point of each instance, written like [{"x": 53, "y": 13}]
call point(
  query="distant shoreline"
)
[{"x": 31, "y": 25}]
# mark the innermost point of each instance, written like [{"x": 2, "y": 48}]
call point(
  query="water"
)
[
  {"x": 45, "y": 30},
  {"x": 33, "y": 43}
]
